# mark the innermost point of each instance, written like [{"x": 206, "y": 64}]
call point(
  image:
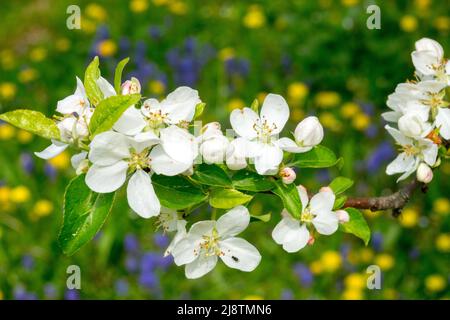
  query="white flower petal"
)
[
  {"x": 77, "y": 159},
  {"x": 236, "y": 154},
  {"x": 399, "y": 137},
  {"x": 52, "y": 150},
  {"x": 108, "y": 178},
  {"x": 109, "y": 147},
  {"x": 201, "y": 228},
  {"x": 322, "y": 202},
  {"x": 200, "y": 266},
  {"x": 239, "y": 254},
  {"x": 72, "y": 104},
  {"x": 326, "y": 222},
  {"x": 80, "y": 90},
  {"x": 131, "y": 122},
  {"x": 185, "y": 251},
  {"x": 401, "y": 163},
  {"x": 289, "y": 145},
  {"x": 105, "y": 87},
  {"x": 141, "y": 195},
  {"x": 309, "y": 132},
  {"x": 296, "y": 241},
  {"x": 180, "y": 105},
  {"x": 233, "y": 222},
  {"x": 284, "y": 228},
  {"x": 179, "y": 144},
  {"x": 410, "y": 170},
  {"x": 276, "y": 111},
  {"x": 303, "y": 194},
  {"x": 161, "y": 163},
  {"x": 268, "y": 160},
  {"x": 181, "y": 234},
  {"x": 430, "y": 152},
  {"x": 150, "y": 106},
  {"x": 243, "y": 122},
  {"x": 423, "y": 61},
  {"x": 443, "y": 122},
  {"x": 143, "y": 140},
  {"x": 391, "y": 116}
]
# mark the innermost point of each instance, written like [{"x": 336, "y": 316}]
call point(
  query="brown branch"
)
[{"x": 395, "y": 201}]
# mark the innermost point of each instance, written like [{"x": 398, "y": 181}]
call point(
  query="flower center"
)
[
  {"x": 410, "y": 150},
  {"x": 307, "y": 215},
  {"x": 264, "y": 130},
  {"x": 139, "y": 160},
  {"x": 210, "y": 245}
]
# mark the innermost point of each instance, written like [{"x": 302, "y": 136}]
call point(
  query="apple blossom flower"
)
[
  {"x": 293, "y": 233},
  {"x": 114, "y": 155},
  {"x": 413, "y": 152},
  {"x": 428, "y": 59},
  {"x": 209, "y": 240},
  {"x": 236, "y": 154},
  {"x": 424, "y": 173},
  {"x": 73, "y": 126},
  {"x": 308, "y": 133},
  {"x": 131, "y": 86},
  {"x": 261, "y": 132}
]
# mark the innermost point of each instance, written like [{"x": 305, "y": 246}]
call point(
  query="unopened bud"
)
[
  {"x": 309, "y": 132},
  {"x": 424, "y": 173},
  {"x": 343, "y": 216},
  {"x": 131, "y": 86},
  {"x": 311, "y": 240},
  {"x": 287, "y": 175},
  {"x": 326, "y": 189}
]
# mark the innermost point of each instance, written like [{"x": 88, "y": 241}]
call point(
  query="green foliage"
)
[
  {"x": 227, "y": 198},
  {"x": 288, "y": 194},
  {"x": 251, "y": 181},
  {"x": 211, "y": 175},
  {"x": 84, "y": 214},
  {"x": 340, "y": 184},
  {"x": 357, "y": 225},
  {"x": 177, "y": 192},
  {"x": 118, "y": 74},
  {"x": 199, "y": 108},
  {"x": 109, "y": 111},
  {"x": 32, "y": 121},
  {"x": 318, "y": 157},
  {"x": 91, "y": 76}
]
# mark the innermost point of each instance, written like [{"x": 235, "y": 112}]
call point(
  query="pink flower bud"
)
[
  {"x": 343, "y": 216},
  {"x": 131, "y": 86},
  {"x": 287, "y": 175},
  {"x": 424, "y": 173},
  {"x": 326, "y": 189}
]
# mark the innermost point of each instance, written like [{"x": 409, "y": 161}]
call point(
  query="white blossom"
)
[{"x": 209, "y": 240}]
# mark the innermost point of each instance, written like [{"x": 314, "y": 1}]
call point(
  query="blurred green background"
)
[{"x": 318, "y": 54}]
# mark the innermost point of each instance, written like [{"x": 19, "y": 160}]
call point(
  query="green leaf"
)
[
  {"x": 199, "y": 108},
  {"x": 318, "y": 157},
  {"x": 357, "y": 225},
  {"x": 91, "y": 76},
  {"x": 227, "y": 198},
  {"x": 263, "y": 218},
  {"x": 340, "y": 184},
  {"x": 288, "y": 193},
  {"x": 177, "y": 192},
  {"x": 211, "y": 175},
  {"x": 84, "y": 214},
  {"x": 109, "y": 111},
  {"x": 32, "y": 121},
  {"x": 251, "y": 181},
  {"x": 339, "y": 202},
  {"x": 118, "y": 74},
  {"x": 255, "y": 106}
]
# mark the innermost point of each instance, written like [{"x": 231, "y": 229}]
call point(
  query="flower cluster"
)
[{"x": 421, "y": 113}]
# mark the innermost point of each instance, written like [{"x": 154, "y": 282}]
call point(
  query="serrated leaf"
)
[
  {"x": 357, "y": 225},
  {"x": 109, "y": 111},
  {"x": 84, "y": 214},
  {"x": 177, "y": 192},
  {"x": 318, "y": 157},
  {"x": 32, "y": 121},
  {"x": 340, "y": 184},
  {"x": 251, "y": 181},
  {"x": 227, "y": 198},
  {"x": 288, "y": 194},
  {"x": 118, "y": 74},
  {"x": 91, "y": 76},
  {"x": 211, "y": 175}
]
